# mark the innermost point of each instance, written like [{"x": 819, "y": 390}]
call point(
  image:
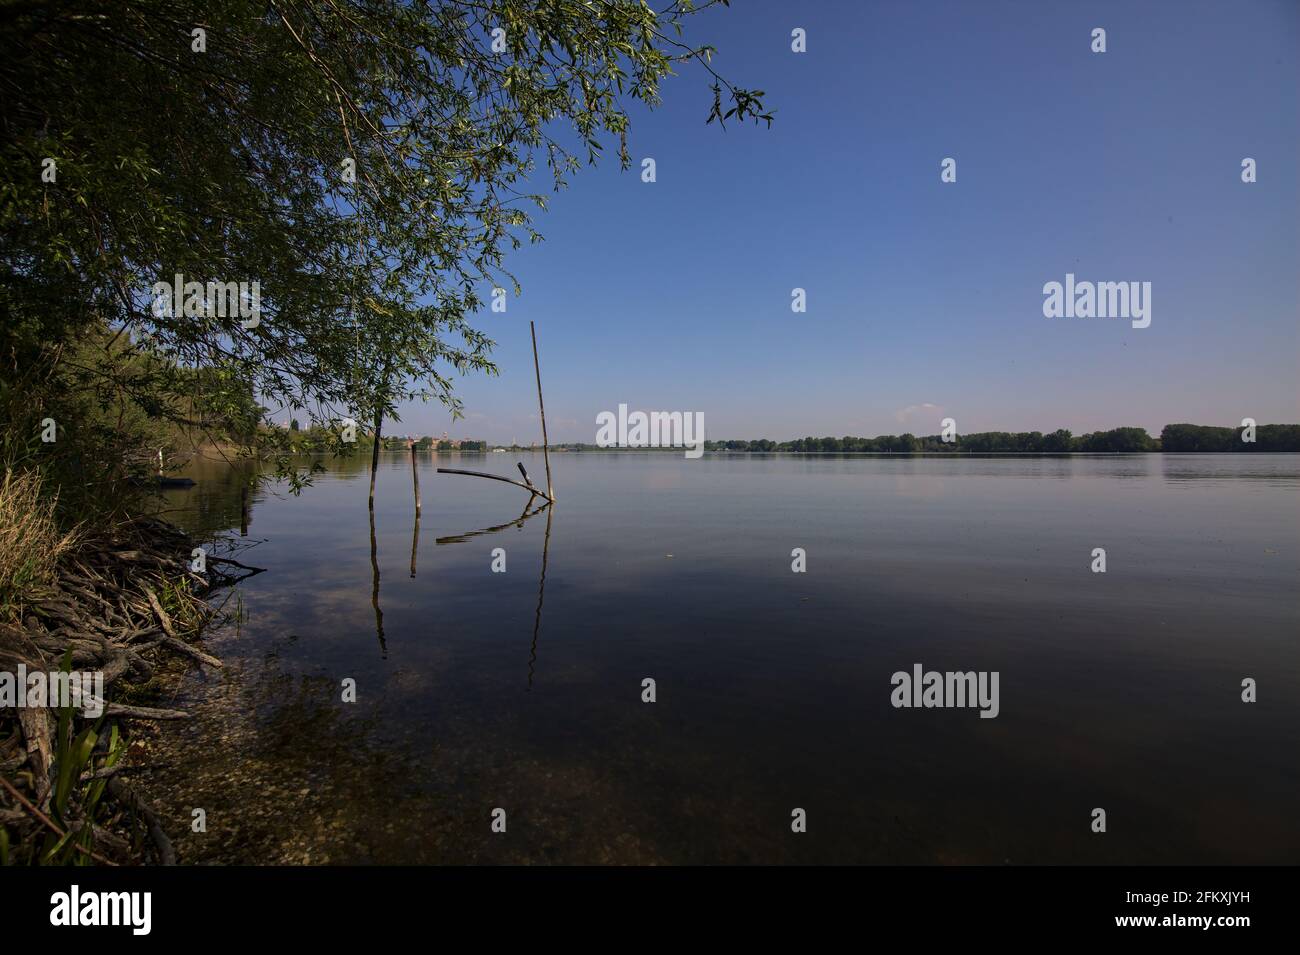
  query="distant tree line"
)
[
  {"x": 1119, "y": 439},
  {"x": 318, "y": 439},
  {"x": 1032, "y": 442},
  {"x": 427, "y": 443},
  {"x": 1199, "y": 437},
  {"x": 1174, "y": 437}
]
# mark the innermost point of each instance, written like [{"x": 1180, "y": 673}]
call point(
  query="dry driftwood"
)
[
  {"x": 495, "y": 477},
  {"x": 163, "y": 619},
  {"x": 143, "y": 712},
  {"x": 101, "y": 612},
  {"x": 179, "y": 645},
  {"x": 35, "y": 721}
]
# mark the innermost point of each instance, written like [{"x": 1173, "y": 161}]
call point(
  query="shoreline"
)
[{"x": 127, "y": 608}]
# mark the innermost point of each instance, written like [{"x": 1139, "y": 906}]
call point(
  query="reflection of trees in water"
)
[{"x": 212, "y": 506}]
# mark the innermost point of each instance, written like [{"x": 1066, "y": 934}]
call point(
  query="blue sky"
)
[{"x": 925, "y": 298}]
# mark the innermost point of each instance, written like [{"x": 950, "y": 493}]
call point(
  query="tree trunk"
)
[{"x": 374, "y": 455}]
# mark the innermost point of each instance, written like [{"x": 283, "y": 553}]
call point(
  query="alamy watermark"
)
[
  {"x": 658, "y": 429},
  {"x": 1131, "y": 300},
  {"x": 130, "y": 909},
  {"x": 57, "y": 689},
  {"x": 931, "y": 688},
  {"x": 242, "y": 300}
]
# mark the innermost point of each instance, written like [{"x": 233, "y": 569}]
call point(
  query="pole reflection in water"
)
[
  {"x": 517, "y": 522},
  {"x": 374, "y": 590},
  {"x": 541, "y": 592},
  {"x": 541, "y": 582},
  {"x": 415, "y": 540}
]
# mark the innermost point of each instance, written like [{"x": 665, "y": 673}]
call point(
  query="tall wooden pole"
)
[{"x": 541, "y": 407}]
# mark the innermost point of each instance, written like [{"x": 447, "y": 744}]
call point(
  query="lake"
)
[{"x": 523, "y": 690}]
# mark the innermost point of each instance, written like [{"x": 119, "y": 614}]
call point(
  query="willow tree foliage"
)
[{"x": 369, "y": 164}]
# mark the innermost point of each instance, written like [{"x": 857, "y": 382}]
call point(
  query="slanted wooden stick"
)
[
  {"x": 527, "y": 479},
  {"x": 541, "y": 407},
  {"x": 495, "y": 477}
]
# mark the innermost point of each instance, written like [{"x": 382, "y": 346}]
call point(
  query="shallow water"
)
[{"x": 478, "y": 690}]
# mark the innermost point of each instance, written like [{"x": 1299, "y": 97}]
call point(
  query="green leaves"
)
[
  {"x": 74, "y": 804},
  {"x": 225, "y": 166},
  {"x": 748, "y": 104}
]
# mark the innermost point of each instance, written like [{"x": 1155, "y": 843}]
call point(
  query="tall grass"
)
[{"x": 31, "y": 540}]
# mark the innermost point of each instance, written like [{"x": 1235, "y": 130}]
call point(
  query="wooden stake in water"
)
[{"x": 541, "y": 407}]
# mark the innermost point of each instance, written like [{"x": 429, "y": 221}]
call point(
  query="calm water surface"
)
[{"x": 479, "y": 690}]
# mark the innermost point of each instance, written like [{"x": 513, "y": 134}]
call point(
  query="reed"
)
[{"x": 31, "y": 540}]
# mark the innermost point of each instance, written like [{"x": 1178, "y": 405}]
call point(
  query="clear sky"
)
[{"x": 924, "y": 298}]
